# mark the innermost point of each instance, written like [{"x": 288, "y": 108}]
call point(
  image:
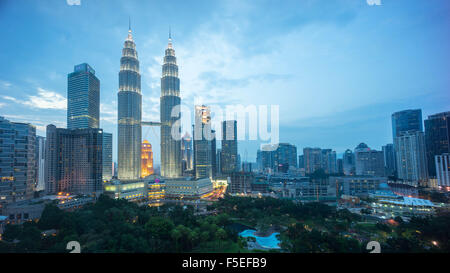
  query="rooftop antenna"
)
[{"x": 129, "y": 22}]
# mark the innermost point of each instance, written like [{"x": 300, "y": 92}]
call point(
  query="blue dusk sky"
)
[{"x": 337, "y": 69}]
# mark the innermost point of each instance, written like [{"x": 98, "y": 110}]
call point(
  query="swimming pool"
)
[{"x": 270, "y": 242}]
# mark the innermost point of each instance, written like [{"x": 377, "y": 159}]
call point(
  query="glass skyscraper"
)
[
  {"x": 171, "y": 166},
  {"x": 129, "y": 113},
  {"x": 229, "y": 146},
  {"x": 83, "y": 98},
  {"x": 17, "y": 161},
  {"x": 202, "y": 142},
  {"x": 406, "y": 120},
  {"x": 437, "y": 138},
  {"x": 107, "y": 156}
]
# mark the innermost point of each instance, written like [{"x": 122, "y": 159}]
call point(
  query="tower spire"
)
[
  {"x": 130, "y": 36},
  {"x": 170, "y": 38}
]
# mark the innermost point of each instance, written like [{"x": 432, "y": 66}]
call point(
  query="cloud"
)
[
  {"x": 47, "y": 99},
  {"x": 108, "y": 112},
  {"x": 373, "y": 2},
  {"x": 5, "y": 84},
  {"x": 73, "y": 2},
  {"x": 2, "y": 104},
  {"x": 10, "y": 98}
]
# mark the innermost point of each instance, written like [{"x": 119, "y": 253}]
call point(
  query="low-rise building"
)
[
  {"x": 356, "y": 185},
  {"x": 188, "y": 188}
]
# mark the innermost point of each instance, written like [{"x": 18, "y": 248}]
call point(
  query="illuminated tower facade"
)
[
  {"x": 146, "y": 159},
  {"x": 170, "y": 98},
  {"x": 129, "y": 113}
]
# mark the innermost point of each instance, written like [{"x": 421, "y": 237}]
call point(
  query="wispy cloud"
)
[
  {"x": 108, "y": 112},
  {"x": 47, "y": 99}
]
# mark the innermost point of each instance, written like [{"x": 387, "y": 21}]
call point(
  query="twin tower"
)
[{"x": 130, "y": 114}]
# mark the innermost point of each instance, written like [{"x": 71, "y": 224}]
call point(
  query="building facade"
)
[
  {"x": 368, "y": 161},
  {"x": 202, "y": 142},
  {"x": 406, "y": 120},
  {"x": 229, "y": 146},
  {"x": 389, "y": 159},
  {"x": 73, "y": 161},
  {"x": 107, "y": 149},
  {"x": 129, "y": 113},
  {"x": 312, "y": 159},
  {"x": 442, "y": 163},
  {"x": 186, "y": 151},
  {"x": 83, "y": 98},
  {"x": 17, "y": 161},
  {"x": 40, "y": 163},
  {"x": 348, "y": 162},
  {"x": 147, "y": 159},
  {"x": 411, "y": 156},
  {"x": 171, "y": 166},
  {"x": 437, "y": 138}
]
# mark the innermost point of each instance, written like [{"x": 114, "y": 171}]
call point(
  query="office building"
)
[
  {"x": 442, "y": 163},
  {"x": 368, "y": 161},
  {"x": 202, "y": 142},
  {"x": 437, "y": 138},
  {"x": 40, "y": 163},
  {"x": 129, "y": 113},
  {"x": 171, "y": 166},
  {"x": 229, "y": 146},
  {"x": 186, "y": 151},
  {"x": 286, "y": 155},
  {"x": 312, "y": 159},
  {"x": 17, "y": 161},
  {"x": 411, "y": 156},
  {"x": 407, "y": 120},
  {"x": 389, "y": 159},
  {"x": 348, "y": 162},
  {"x": 356, "y": 185},
  {"x": 329, "y": 162},
  {"x": 83, "y": 98},
  {"x": 73, "y": 161},
  {"x": 107, "y": 172}
]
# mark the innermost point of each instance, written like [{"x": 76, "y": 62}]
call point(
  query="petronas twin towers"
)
[{"x": 130, "y": 114}]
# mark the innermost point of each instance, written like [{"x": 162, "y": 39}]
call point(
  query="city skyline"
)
[{"x": 339, "y": 113}]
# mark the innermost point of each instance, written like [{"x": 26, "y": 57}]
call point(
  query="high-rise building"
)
[
  {"x": 129, "y": 113},
  {"x": 83, "y": 98},
  {"x": 437, "y": 138},
  {"x": 406, "y": 120},
  {"x": 329, "y": 161},
  {"x": 312, "y": 159},
  {"x": 229, "y": 146},
  {"x": 202, "y": 142},
  {"x": 266, "y": 159},
  {"x": 442, "y": 163},
  {"x": 213, "y": 154},
  {"x": 301, "y": 161},
  {"x": 368, "y": 161},
  {"x": 340, "y": 166},
  {"x": 411, "y": 156},
  {"x": 17, "y": 161},
  {"x": 107, "y": 156},
  {"x": 170, "y": 98},
  {"x": 286, "y": 155},
  {"x": 389, "y": 159},
  {"x": 219, "y": 162},
  {"x": 40, "y": 163},
  {"x": 73, "y": 162},
  {"x": 186, "y": 151},
  {"x": 147, "y": 159},
  {"x": 348, "y": 162}
]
